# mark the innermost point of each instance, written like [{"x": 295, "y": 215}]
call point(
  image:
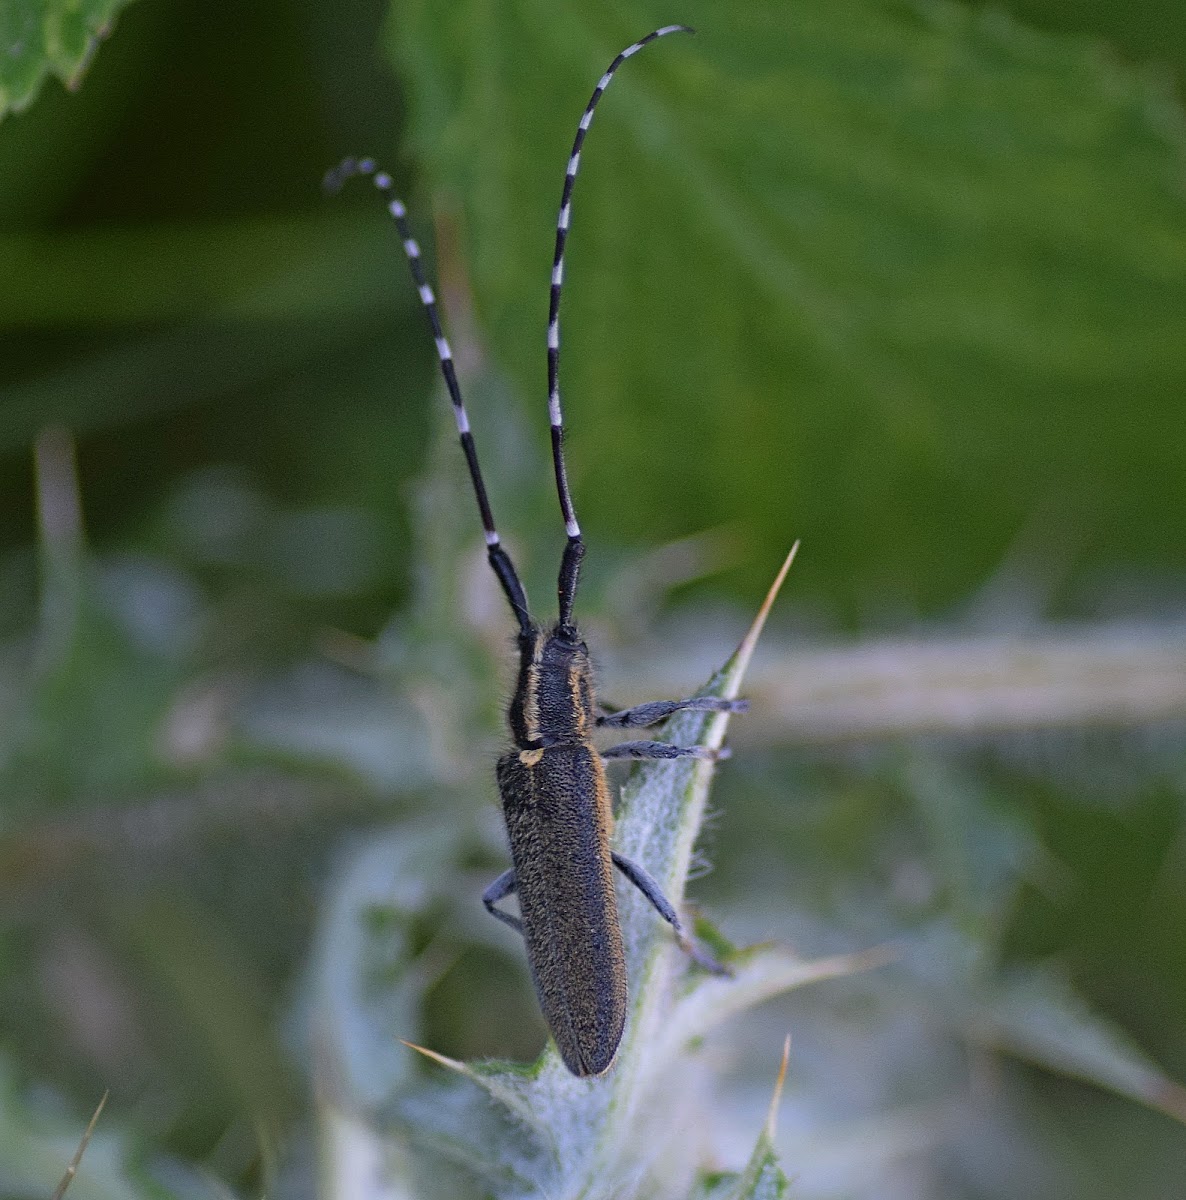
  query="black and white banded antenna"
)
[
  {"x": 500, "y": 561},
  {"x": 574, "y": 549}
]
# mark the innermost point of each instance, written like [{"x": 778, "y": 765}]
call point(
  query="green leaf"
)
[
  {"x": 916, "y": 231},
  {"x": 48, "y": 37}
]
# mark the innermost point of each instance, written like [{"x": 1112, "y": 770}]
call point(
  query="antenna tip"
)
[
  {"x": 674, "y": 29},
  {"x": 335, "y": 177}
]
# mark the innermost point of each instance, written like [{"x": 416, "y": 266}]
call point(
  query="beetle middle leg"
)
[
  {"x": 659, "y": 710},
  {"x": 646, "y": 884},
  {"x": 502, "y": 887},
  {"x": 664, "y": 750}
]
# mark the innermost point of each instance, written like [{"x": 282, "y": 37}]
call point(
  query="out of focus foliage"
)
[
  {"x": 904, "y": 279},
  {"x": 44, "y": 37}
]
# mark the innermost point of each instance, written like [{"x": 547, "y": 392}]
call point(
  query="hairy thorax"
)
[{"x": 554, "y": 702}]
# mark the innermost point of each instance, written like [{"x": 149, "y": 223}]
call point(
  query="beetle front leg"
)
[
  {"x": 652, "y": 713},
  {"x": 502, "y": 887}
]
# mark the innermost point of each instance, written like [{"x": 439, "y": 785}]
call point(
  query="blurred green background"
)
[{"x": 904, "y": 280}]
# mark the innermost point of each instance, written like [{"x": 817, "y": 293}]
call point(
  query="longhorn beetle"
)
[{"x": 555, "y": 797}]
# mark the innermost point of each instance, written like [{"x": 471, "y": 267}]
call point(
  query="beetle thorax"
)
[{"x": 553, "y": 702}]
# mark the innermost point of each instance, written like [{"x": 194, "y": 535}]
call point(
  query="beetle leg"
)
[
  {"x": 664, "y": 750},
  {"x": 651, "y": 890},
  {"x": 502, "y": 887},
  {"x": 659, "y": 710}
]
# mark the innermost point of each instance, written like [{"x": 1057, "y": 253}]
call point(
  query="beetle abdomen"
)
[{"x": 558, "y": 817}]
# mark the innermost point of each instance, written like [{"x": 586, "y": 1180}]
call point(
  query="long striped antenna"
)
[
  {"x": 500, "y": 561},
  {"x": 574, "y": 550}
]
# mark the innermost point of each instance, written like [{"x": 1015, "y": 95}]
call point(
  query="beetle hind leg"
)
[{"x": 646, "y": 884}]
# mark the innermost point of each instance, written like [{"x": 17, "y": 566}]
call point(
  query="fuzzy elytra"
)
[{"x": 555, "y": 796}]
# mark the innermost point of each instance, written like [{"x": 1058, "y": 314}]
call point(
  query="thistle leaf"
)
[
  {"x": 83, "y": 1142},
  {"x": 640, "y": 1129},
  {"x": 759, "y": 974},
  {"x": 762, "y": 1178},
  {"x": 1038, "y": 1015}
]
